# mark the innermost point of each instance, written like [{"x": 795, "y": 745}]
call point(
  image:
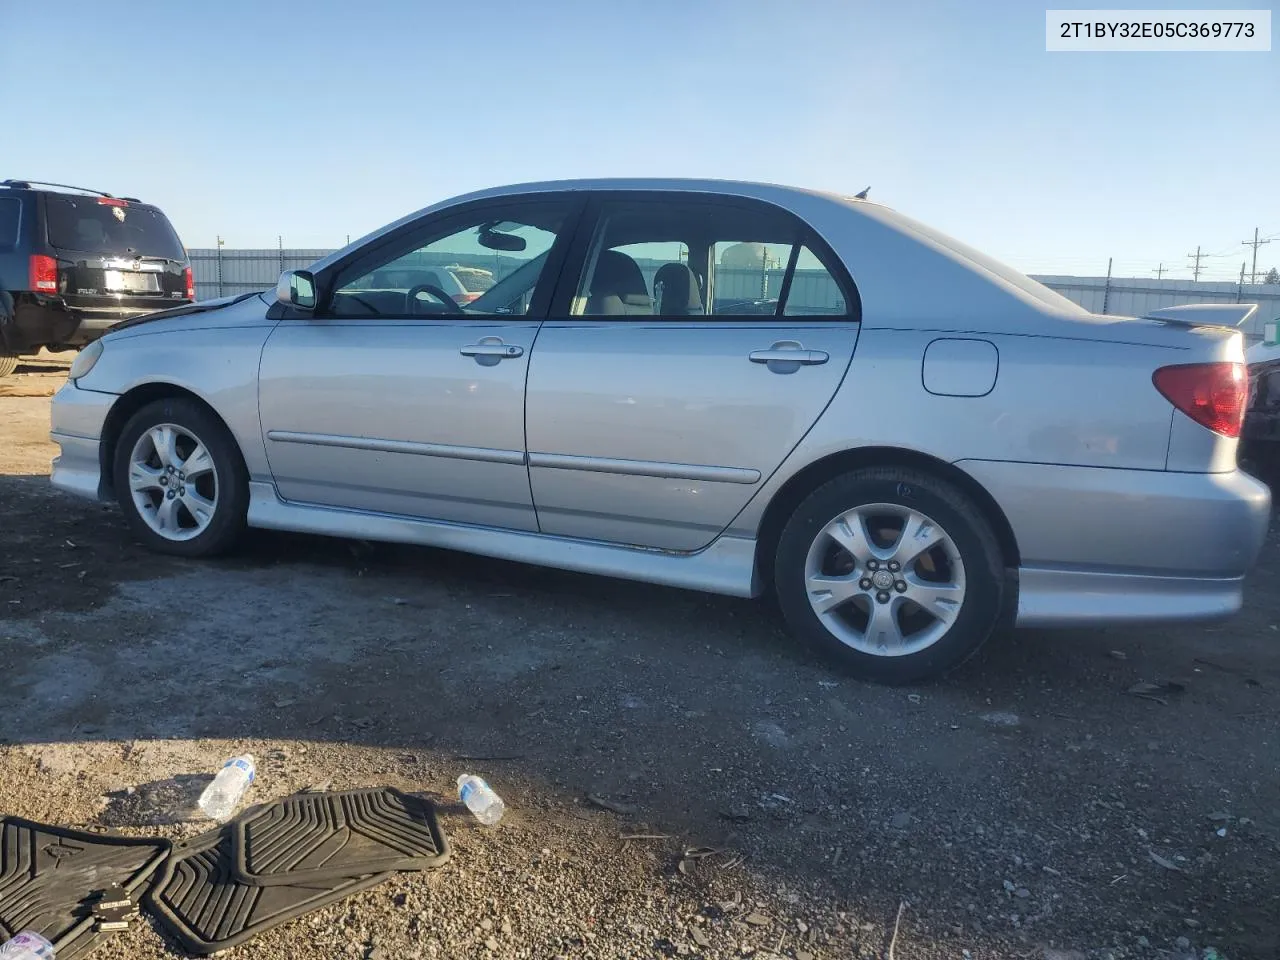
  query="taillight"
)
[
  {"x": 42, "y": 274},
  {"x": 1212, "y": 394},
  {"x": 191, "y": 283},
  {"x": 112, "y": 202}
]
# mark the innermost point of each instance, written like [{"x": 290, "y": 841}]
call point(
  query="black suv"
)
[{"x": 74, "y": 262}]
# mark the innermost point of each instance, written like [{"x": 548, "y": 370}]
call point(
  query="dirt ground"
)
[{"x": 1028, "y": 807}]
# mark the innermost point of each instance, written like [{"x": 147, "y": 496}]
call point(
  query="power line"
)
[{"x": 1255, "y": 243}]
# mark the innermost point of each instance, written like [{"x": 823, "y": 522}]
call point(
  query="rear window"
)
[
  {"x": 10, "y": 207},
  {"x": 87, "y": 226}
]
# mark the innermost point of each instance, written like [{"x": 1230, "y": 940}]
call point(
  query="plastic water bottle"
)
[
  {"x": 480, "y": 799},
  {"x": 220, "y": 798},
  {"x": 27, "y": 945}
]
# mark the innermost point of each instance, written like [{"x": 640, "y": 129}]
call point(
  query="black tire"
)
[
  {"x": 224, "y": 530},
  {"x": 8, "y": 363},
  {"x": 986, "y": 587}
]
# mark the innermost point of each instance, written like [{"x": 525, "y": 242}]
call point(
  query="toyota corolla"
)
[{"x": 738, "y": 388}]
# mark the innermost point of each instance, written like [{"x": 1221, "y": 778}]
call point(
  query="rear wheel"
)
[
  {"x": 180, "y": 479},
  {"x": 8, "y": 363},
  {"x": 892, "y": 573}
]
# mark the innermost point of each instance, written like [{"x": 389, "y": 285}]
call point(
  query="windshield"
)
[{"x": 88, "y": 225}]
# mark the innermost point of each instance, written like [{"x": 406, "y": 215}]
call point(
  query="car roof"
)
[{"x": 61, "y": 189}]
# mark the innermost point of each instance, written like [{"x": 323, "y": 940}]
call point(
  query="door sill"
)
[{"x": 726, "y": 566}]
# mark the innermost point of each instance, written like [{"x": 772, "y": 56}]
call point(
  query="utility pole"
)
[
  {"x": 1159, "y": 272},
  {"x": 219, "y": 249},
  {"x": 1106, "y": 291},
  {"x": 1255, "y": 243},
  {"x": 1198, "y": 256},
  {"x": 1240, "y": 286}
]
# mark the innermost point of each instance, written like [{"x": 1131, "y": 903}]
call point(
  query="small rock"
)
[
  {"x": 1144, "y": 942},
  {"x": 913, "y": 698},
  {"x": 491, "y": 945},
  {"x": 804, "y": 955},
  {"x": 1022, "y": 893},
  {"x": 506, "y": 928},
  {"x": 900, "y": 821},
  {"x": 1117, "y": 655},
  {"x": 1221, "y": 831},
  {"x": 802, "y": 926},
  {"x": 1009, "y": 886},
  {"x": 1220, "y": 816},
  {"x": 1001, "y": 719},
  {"x": 757, "y": 919},
  {"x": 1182, "y": 943},
  {"x": 486, "y": 925},
  {"x": 1193, "y": 924},
  {"x": 700, "y": 938}
]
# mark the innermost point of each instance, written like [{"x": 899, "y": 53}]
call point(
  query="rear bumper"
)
[
  {"x": 1106, "y": 546},
  {"x": 1081, "y": 598},
  {"x": 77, "y": 419}
]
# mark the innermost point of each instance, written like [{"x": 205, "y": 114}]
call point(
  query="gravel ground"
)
[{"x": 1028, "y": 807}]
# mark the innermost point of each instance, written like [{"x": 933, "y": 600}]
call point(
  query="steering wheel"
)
[{"x": 410, "y": 299}]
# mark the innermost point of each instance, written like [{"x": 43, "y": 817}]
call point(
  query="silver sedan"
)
[{"x": 738, "y": 388}]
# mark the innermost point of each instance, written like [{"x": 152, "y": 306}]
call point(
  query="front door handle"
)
[
  {"x": 806, "y": 357},
  {"x": 788, "y": 356},
  {"x": 491, "y": 350}
]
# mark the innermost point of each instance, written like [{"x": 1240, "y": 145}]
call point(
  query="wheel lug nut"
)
[
  {"x": 873, "y": 565},
  {"x": 901, "y": 586},
  {"x": 894, "y": 566},
  {"x": 882, "y": 597},
  {"x": 864, "y": 583}
]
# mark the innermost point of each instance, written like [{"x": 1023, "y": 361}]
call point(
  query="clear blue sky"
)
[{"x": 315, "y": 120}]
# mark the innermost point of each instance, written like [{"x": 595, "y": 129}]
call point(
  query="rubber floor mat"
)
[
  {"x": 50, "y": 878},
  {"x": 325, "y": 836},
  {"x": 200, "y": 901}
]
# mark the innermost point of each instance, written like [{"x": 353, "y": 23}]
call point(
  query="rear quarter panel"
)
[{"x": 1057, "y": 400}]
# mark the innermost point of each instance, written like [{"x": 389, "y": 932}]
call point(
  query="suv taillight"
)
[
  {"x": 1212, "y": 394},
  {"x": 42, "y": 274},
  {"x": 190, "y": 279}
]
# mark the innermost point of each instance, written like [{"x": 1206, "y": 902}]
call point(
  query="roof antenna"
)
[{"x": 863, "y": 194}]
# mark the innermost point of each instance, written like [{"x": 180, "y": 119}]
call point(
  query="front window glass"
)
[{"x": 491, "y": 266}]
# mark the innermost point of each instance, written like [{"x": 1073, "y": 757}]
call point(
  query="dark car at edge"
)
[{"x": 75, "y": 262}]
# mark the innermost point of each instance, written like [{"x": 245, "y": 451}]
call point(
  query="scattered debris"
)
[
  {"x": 1117, "y": 655},
  {"x": 893, "y": 941},
  {"x": 613, "y": 806},
  {"x": 1000, "y": 718},
  {"x": 1167, "y": 864},
  {"x": 757, "y": 920},
  {"x": 913, "y": 698},
  {"x": 1156, "y": 691},
  {"x": 700, "y": 938}
]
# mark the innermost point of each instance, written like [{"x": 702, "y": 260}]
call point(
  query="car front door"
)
[
  {"x": 402, "y": 397},
  {"x": 704, "y": 338}
]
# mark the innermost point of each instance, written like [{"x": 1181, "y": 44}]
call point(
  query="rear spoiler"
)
[{"x": 1205, "y": 314}]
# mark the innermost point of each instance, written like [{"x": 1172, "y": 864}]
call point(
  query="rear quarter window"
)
[
  {"x": 85, "y": 225},
  {"x": 10, "y": 213}
]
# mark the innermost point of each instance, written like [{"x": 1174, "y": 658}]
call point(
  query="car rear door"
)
[
  {"x": 114, "y": 256},
  {"x": 694, "y": 342},
  {"x": 399, "y": 399}
]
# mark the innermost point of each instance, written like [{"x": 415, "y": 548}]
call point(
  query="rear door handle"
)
[
  {"x": 492, "y": 348},
  {"x": 789, "y": 355}
]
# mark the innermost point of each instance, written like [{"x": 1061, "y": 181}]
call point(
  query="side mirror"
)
[{"x": 297, "y": 288}]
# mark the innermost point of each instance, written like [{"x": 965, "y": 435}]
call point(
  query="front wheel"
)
[
  {"x": 180, "y": 479},
  {"x": 892, "y": 573},
  {"x": 8, "y": 363}
]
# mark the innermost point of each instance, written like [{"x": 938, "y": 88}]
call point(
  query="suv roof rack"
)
[{"x": 27, "y": 184}]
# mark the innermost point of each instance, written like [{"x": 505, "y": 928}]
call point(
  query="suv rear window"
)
[
  {"x": 87, "y": 226},
  {"x": 10, "y": 208}
]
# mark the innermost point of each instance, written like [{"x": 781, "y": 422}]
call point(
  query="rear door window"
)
[
  {"x": 10, "y": 210},
  {"x": 93, "y": 225}
]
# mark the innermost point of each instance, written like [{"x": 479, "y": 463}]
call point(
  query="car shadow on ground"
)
[{"x": 1031, "y": 766}]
